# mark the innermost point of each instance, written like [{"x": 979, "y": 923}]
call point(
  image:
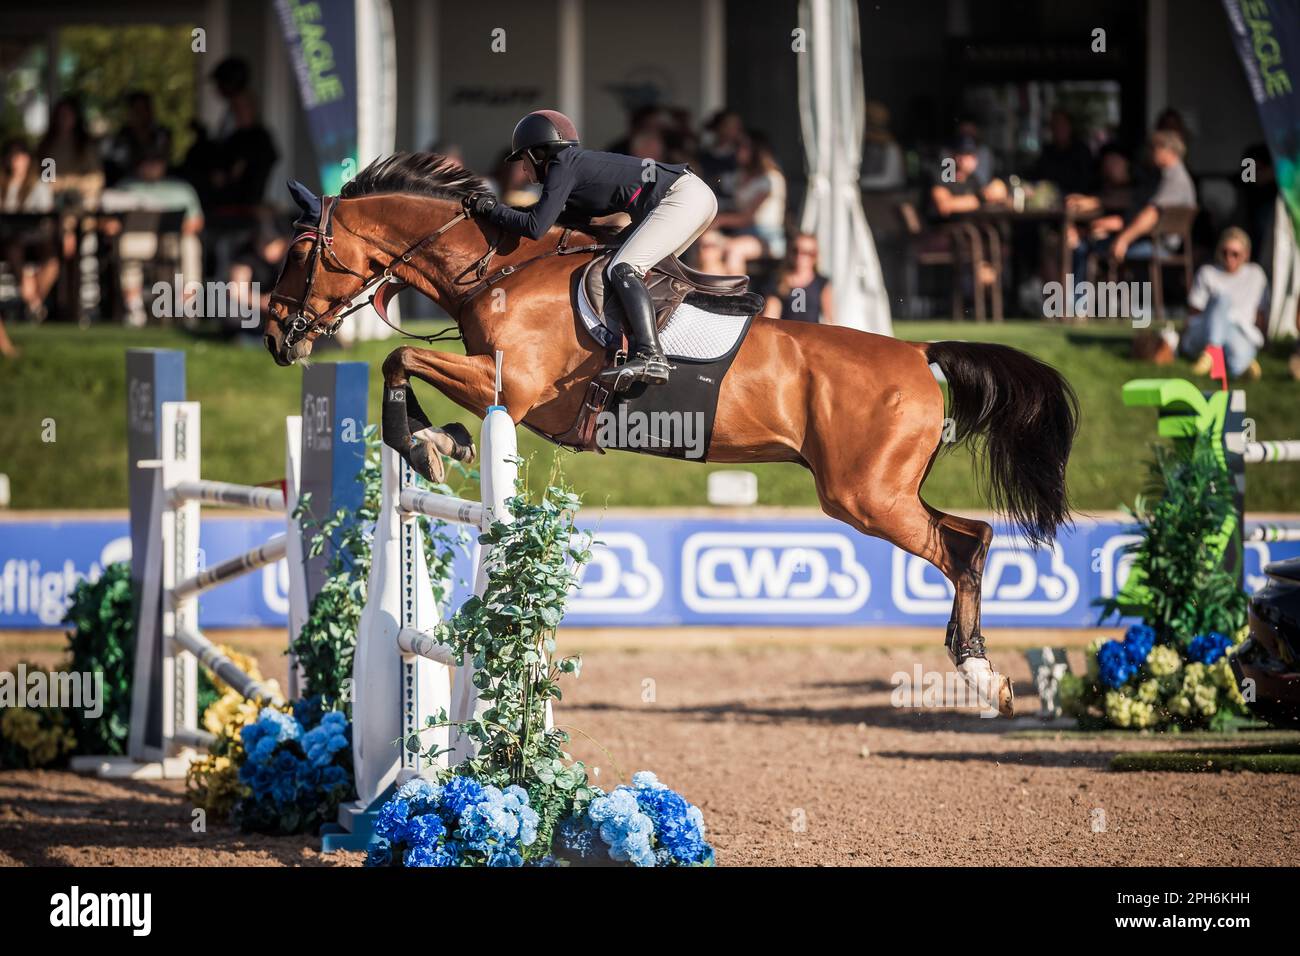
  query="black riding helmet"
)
[{"x": 540, "y": 135}]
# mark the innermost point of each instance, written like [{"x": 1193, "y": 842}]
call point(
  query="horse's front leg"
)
[{"x": 468, "y": 380}]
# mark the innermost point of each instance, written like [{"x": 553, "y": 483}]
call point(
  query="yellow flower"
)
[
  {"x": 1142, "y": 714},
  {"x": 1119, "y": 709},
  {"x": 1164, "y": 661}
]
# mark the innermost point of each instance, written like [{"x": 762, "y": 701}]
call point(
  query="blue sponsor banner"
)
[
  {"x": 807, "y": 572},
  {"x": 41, "y": 562}
]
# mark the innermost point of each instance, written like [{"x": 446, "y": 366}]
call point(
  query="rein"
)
[
  {"x": 384, "y": 284},
  {"x": 306, "y": 320}
]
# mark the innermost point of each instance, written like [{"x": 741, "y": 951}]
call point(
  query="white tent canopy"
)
[
  {"x": 1286, "y": 276},
  {"x": 831, "y": 110}
]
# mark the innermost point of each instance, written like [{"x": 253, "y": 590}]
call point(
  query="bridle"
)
[{"x": 305, "y": 321}]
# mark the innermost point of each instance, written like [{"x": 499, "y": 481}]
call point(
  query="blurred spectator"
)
[
  {"x": 230, "y": 170},
  {"x": 29, "y": 248},
  {"x": 708, "y": 250},
  {"x": 757, "y": 222},
  {"x": 882, "y": 158},
  {"x": 984, "y": 173},
  {"x": 254, "y": 274},
  {"x": 1229, "y": 308},
  {"x": 719, "y": 145},
  {"x": 648, "y": 117},
  {"x": 647, "y": 143},
  {"x": 962, "y": 192},
  {"x": 21, "y": 186},
  {"x": 1126, "y": 238},
  {"x": 449, "y": 149},
  {"x": 78, "y": 175},
  {"x": 680, "y": 141},
  {"x": 1171, "y": 121},
  {"x": 1065, "y": 160},
  {"x": 152, "y": 189},
  {"x": 1175, "y": 189},
  {"x": 799, "y": 291},
  {"x": 140, "y": 134},
  {"x": 511, "y": 182}
]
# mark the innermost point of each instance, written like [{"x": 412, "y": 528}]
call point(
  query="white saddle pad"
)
[{"x": 690, "y": 333}]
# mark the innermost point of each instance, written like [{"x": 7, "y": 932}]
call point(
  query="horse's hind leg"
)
[
  {"x": 885, "y": 503},
  {"x": 966, "y": 546}
]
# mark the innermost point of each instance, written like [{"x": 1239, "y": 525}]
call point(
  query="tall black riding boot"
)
[{"x": 647, "y": 362}]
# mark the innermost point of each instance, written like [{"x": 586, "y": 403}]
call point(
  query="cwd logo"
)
[
  {"x": 619, "y": 579},
  {"x": 772, "y": 573},
  {"x": 1015, "y": 582}
]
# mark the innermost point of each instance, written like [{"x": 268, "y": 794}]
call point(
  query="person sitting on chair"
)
[{"x": 668, "y": 204}]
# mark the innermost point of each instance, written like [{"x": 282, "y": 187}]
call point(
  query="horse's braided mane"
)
[{"x": 423, "y": 174}]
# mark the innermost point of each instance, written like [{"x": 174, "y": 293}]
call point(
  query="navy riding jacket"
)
[{"x": 591, "y": 183}]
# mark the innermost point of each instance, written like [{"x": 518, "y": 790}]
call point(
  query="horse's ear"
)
[{"x": 307, "y": 200}]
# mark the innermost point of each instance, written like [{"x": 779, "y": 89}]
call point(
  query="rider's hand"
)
[{"x": 480, "y": 204}]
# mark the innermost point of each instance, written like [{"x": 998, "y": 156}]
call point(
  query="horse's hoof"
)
[
  {"x": 463, "y": 450},
  {"x": 1006, "y": 697},
  {"x": 426, "y": 460},
  {"x": 993, "y": 690}
]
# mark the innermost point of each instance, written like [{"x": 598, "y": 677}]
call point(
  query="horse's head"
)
[
  {"x": 321, "y": 276},
  {"x": 329, "y": 273}
]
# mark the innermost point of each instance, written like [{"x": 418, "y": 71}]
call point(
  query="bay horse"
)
[{"x": 862, "y": 412}]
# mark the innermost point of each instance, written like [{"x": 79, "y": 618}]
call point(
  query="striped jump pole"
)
[
  {"x": 1256, "y": 452},
  {"x": 1271, "y": 532},
  {"x": 165, "y": 734},
  {"x": 402, "y": 674}
]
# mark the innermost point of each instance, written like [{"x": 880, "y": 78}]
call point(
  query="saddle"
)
[
  {"x": 669, "y": 284},
  {"x": 701, "y": 318}
]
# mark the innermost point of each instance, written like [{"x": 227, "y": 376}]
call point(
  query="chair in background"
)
[
  {"x": 955, "y": 247},
  {"x": 1174, "y": 222}
]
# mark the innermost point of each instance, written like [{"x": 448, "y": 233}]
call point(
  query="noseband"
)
[{"x": 306, "y": 321}]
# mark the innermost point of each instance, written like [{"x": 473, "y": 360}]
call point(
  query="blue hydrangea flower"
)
[
  {"x": 1138, "y": 641},
  {"x": 1208, "y": 648},
  {"x": 623, "y": 827},
  {"x": 459, "y": 823},
  {"x": 271, "y": 728},
  {"x": 577, "y": 839},
  {"x": 1114, "y": 664},
  {"x": 326, "y": 739}
]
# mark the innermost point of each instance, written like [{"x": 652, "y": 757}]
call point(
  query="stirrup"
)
[{"x": 643, "y": 368}]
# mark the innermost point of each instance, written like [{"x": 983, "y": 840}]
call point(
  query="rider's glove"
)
[{"x": 480, "y": 204}]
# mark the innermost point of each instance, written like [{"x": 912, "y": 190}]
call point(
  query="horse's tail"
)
[{"x": 1019, "y": 416}]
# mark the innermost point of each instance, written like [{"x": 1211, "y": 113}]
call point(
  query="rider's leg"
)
[{"x": 686, "y": 210}]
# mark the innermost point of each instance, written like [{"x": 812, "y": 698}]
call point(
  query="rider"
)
[{"x": 670, "y": 207}]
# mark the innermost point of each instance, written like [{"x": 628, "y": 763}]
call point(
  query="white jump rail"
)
[
  {"x": 173, "y": 568},
  {"x": 1271, "y": 532},
  {"x": 1260, "y": 451},
  {"x": 402, "y": 675},
  {"x": 1252, "y": 453}
]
